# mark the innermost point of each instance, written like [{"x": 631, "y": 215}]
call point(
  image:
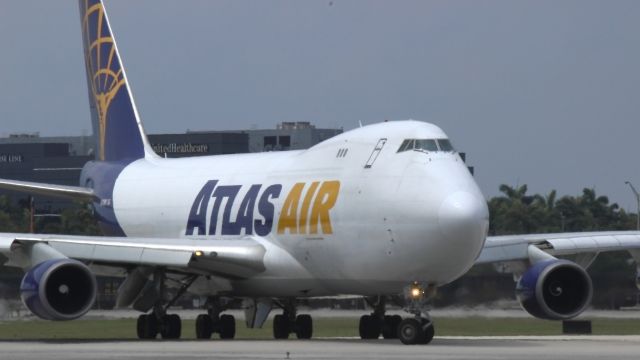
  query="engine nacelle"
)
[
  {"x": 555, "y": 290},
  {"x": 59, "y": 289}
]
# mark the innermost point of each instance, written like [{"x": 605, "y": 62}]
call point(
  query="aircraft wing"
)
[
  {"x": 516, "y": 247},
  {"x": 70, "y": 192},
  {"x": 230, "y": 259}
]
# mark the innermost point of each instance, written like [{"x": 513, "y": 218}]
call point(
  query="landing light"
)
[
  {"x": 198, "y": 253},
  {"x": 415, "y": 292}
]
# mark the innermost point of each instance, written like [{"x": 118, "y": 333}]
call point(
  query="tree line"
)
[
  {"x": 74, "y": 220},
  {"x": 516, "y": 212}
]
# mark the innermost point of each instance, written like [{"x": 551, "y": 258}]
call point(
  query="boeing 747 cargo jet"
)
[{"x": 383, "y": 210}]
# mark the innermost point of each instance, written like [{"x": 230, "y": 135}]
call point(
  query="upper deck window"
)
[{"x": 426, "y": 145}]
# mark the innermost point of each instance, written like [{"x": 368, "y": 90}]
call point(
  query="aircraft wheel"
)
[
  {"x": 204, "y": 326},
  {"x": 227, "y": 327},
  {"x": 304, "y": 326},
  {"x": 280, "y": 327},
  {"x": 369, "y": 327},
  {"x": 429, "y": 331},
  {"x": 410, "y": 331},
  {"x": 171, "y": 327},
  {"x": 390, "y": 326},
  {"x": 147, "y": 326}
]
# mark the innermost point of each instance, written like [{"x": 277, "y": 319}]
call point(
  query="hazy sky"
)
[{"x": 539, "y": 92}]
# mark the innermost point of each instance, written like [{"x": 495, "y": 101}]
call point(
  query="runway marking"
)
[{"x": 629, "y": 338}]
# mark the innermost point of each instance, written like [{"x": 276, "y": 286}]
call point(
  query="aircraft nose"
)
[{"x": 464, "y": 219}]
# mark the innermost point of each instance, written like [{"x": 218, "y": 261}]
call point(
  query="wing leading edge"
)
[
  {"x": 516, "y": 247},
  {"x": 230, "y": 259}
]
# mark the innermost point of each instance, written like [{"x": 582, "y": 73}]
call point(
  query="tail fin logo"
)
[{"x": 103, "y": 68}]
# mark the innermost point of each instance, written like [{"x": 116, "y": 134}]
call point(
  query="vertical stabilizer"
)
[{"x": 116, "y": 125}]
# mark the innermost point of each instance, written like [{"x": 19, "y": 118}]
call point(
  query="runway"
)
[{"x": 549, "y": 347}]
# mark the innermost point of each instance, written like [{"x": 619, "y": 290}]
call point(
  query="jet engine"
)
[
  {"x": 59, "y": 289},
  {"x": 555, "y": 289}
]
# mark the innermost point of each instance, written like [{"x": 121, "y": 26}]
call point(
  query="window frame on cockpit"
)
[
  {"x": 448, "y": 145},
  {"x": 425, "y": 145},
  {"x": 405, "y": 145},
  {"x": 436, "y": 145}
]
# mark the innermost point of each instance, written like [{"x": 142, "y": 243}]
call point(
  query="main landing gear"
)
[
  {"x": 213, "y": 322},
  {"x": 288, "y": 322},
  {"x": 418, "y": 329},
  {"x": 169, "y": 326},
  {"x": 377, "y": 323}
]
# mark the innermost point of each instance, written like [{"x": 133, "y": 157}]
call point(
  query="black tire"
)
[
  {"x": 363, "y": 326},
  {"x": 428, "y": 330},
  {"x": 304, "y": 326},
  {"x": 397, "y": 319},
  {"x": 410, "y": 331},
  {"x": 204, "y": 327},
  {"x": 176, "y": 326},
  {"x": 147, "y": 326},
  {"x": 227, "y": 327},
  {"x": 390, "y": 326},
  {"x": 140, "y": 326},
  {"x": 280, "y": 327},
  {"x": 369, "y": 327},
  {"x": 171, "y": 327}
]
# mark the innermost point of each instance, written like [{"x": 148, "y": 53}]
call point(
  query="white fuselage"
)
[{"x": 338, "y": 227}]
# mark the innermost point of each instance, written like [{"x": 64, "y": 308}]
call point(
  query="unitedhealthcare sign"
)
[{"x": 184, "y": 148}]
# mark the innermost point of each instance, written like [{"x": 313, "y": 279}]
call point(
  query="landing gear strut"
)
[
  {"x": 288, "y": 322},
  {"x": 169, "y": 326},
  {"x": 213, "y": 322}
]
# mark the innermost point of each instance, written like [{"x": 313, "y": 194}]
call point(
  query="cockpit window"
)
[
  {"x": 406, "y": 145},
  {"x": 426, "y": 145},
  {"x": 445, "y": 145}
]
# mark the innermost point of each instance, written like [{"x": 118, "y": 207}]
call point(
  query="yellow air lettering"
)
[
  {"x": 289, "y": 214},
  {"x": 324, "y": 201},
  {"x": 304, "y": 212}
]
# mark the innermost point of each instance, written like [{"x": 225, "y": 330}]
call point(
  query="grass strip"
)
[{"x": 123, "y": 329}]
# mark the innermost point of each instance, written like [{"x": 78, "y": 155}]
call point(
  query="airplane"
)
[{"x": 388, "y": 209}]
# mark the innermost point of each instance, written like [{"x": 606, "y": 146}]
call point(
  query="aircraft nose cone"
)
[{"x": 464, "y": 219}]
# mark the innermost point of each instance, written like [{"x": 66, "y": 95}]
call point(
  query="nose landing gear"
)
[
  {"x": 413, "y": 331},
  {"x": 418, "y": 329}
]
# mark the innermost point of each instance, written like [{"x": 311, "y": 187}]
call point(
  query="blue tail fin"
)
[{"x": 116, "y": 125}]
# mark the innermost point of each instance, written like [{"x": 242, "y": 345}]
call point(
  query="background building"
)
[{"x": 288, "y": 136}]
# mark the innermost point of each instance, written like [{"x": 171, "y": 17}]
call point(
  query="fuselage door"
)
[{"x": 375, "y": 153}]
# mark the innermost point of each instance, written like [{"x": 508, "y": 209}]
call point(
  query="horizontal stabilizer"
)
[{"x": 63, "y": 191}]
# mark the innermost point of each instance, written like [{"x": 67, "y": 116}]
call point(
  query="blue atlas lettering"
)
[
  {"x": 198, "y": 214},
  {"x": 255, "y": 214},
  {"x": 244, "y": 219},
  {"x": 266, "y": 210},
  {"x": 229, "y": 192}
]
